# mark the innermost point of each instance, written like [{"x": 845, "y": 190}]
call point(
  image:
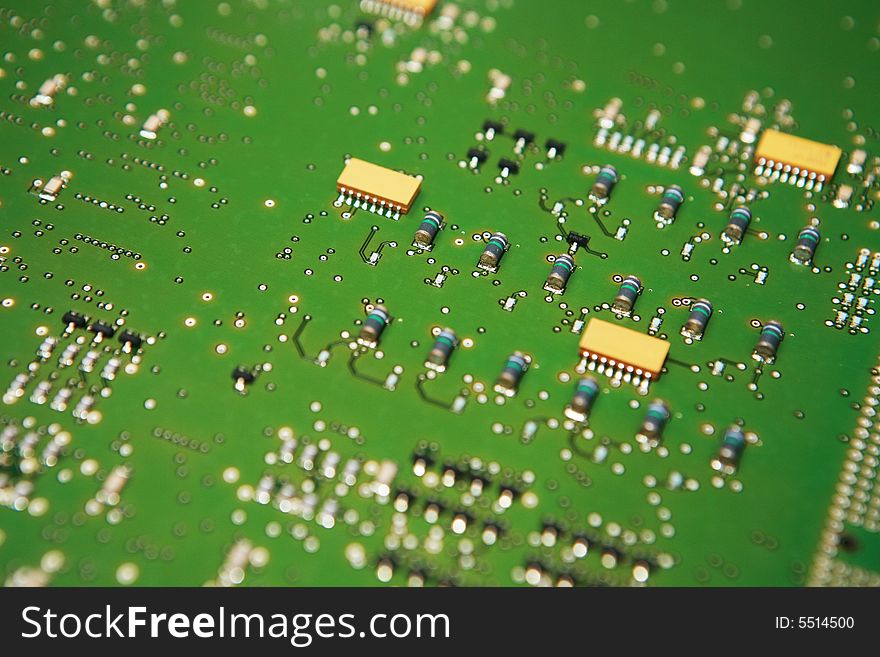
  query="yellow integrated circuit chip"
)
[
  {"x": 622, "y": 350},
  {"x": 780, "y": 154},
  {"x": 411, "y": 12},
  {"x": 377, "y": 189}
]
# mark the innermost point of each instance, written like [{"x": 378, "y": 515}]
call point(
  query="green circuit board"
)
[{"x": 640, "y": 349}]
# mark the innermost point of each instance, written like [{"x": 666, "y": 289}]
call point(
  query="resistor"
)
[
  {"x": 329, "y": 464},
  {"x": 726, "y": 461},
  {"x": 45, "y": 96},
  {"x": 381, "y": 485},
  {"x": 392, "y": 379},
  {"x": 115, "y": 482},
  {"x": 563, "y": 268},
  {"x": 110, "y": 369},
  {"x": 374, "y": 325},
  {"x": 695, "y": 326},
  {"x": 84, "y": 407},
  {"x": 701, "y": 159},
  {"x": 50, "y": 191},
  {"x": 41, "y": 392},
  {"x": 651, "y": 430},
  {"x": 629, "y": 291},
  {"x": 287, "y": 449},
  {"x": 605, "y": 182},
  {"x": 737, "y": 225},
  {"x": 350, "y": 472},
  {"x": 16, "y": 388},
  {"x": 307, "y": 457},
  {"x": 87, "y": 364},
  {"x": 677, "y": 157},
  {"x": 494, "y": 251},
  {"x": 62, "y": 397},
  {"x": 663, "y": 158},
  {"x": 584, "y": 397},
  {"x": 514, "y": 369},
  {"x": 53, "y": 448},
  {"x": 805, "y": 248},
  {"x": 428, "y": 229},
  {"x": 856, "y": 161},
  {"x": 47, "y": 347},
  {"x": 670, "y": 202},
  {"x": 327, "y": 515},
  {"x": 445, "y": 343},
  {"x": 154, "y": 122},
  {"x": 608, "y": 115},
  {"x": 772, "y": 334}
]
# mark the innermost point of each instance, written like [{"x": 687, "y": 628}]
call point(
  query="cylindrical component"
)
[
  {"x": 375, "y": 323},
  {"x": 656, "y": 417},
  {"x": 805, "y": 249},
  {"x": 695, "y": 326},
  {"x": 768, "y": 342},
  {"x": 604, "y": 183},
  {"x": 494, "y": 251},
  {"x": 428, "y": 229},
  {"x": 626, "y": 297},
  {"x": 514, "y": 370},
  {"x": 584, "y": 396},
  {"x": 730, "y": 452},
  {"x": 669, "y": 204},
  {"x": 737, "y": 225},
  {"x": 563, "y": 268},
  {"x": 444, "y": 345}
]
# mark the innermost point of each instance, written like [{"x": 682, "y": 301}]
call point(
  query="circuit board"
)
[{"x": 405, "y": 292}]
